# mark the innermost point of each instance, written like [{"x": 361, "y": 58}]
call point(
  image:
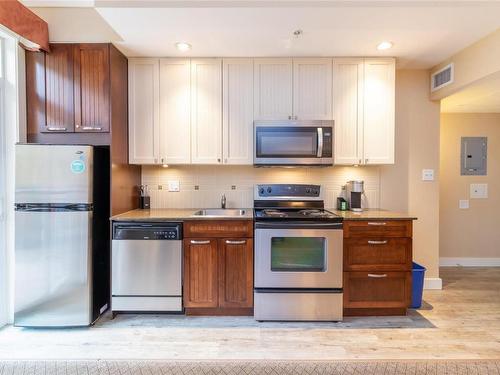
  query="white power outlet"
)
[
  {"x": 427, "y": 174},
  {"x": 463, "y": 204},
  {"x": 479, "y": 191},
  {"x": 174, "y": 185}
]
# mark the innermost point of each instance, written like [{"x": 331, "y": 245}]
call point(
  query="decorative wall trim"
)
[
  {"x": 469, "y": 262},
  {"x": 433, "y": 283}
]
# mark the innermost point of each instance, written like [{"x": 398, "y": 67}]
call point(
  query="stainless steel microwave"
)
[{"x": 293, "y": 143}]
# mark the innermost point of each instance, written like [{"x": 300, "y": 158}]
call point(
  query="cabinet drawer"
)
[
  {"x": 378, "y": 228},
  {"x": 379, "y": 254},
  {"x": 219, "y": 228},
  {"x": 377, "y": 289}
]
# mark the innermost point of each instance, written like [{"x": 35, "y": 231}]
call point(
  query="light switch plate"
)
[
  {"x": 427, "y": 174},
  {"x": 479, "y": 191},
  {"x": 174, "y": 185},
  {"x": 463, "y": 204}
]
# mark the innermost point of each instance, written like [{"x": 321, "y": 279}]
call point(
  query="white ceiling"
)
[
  {"x": 482, "y": 97},
  {"x": 424, "y": 32}
]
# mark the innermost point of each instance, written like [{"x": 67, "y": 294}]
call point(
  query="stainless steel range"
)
[{"x": 298, "y": 255}]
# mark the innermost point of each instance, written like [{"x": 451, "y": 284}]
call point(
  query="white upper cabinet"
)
[
  {"x": 379, "y": 111},
  {"x": 273, "y": 89},
  {"x": 348, "y": 98},
  {"x": 237, "y": 108},
  {"x": 206, "y": 111},
  {"x": 175, "y": 111},
  {"x": 312, "y": 89},
  {"x": 143, "y": 88},
  {"x": 364, "y": 110}
]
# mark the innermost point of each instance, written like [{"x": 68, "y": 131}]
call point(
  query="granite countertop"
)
[
  {"x": 373, "y": 214},
  {"x": 173, "y": 214}
]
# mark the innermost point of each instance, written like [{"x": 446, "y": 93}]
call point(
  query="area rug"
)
[{"x": 106, "y": 367}]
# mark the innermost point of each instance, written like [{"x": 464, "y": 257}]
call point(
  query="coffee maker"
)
[{"x": 355, "y": 190}]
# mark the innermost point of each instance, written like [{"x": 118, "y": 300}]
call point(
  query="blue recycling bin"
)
[{"x": 418, "y": 274}]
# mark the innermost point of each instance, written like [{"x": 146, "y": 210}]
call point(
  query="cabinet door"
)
[
  {"x": 206, "y": 111},
  {"x": 379, "y": 122},
  {"x": 348, "y": 98},
  {"x": 236, "y": 272},
  {"x": 312, "y": 89},
  {"x": 237, "y": 107},
  {"x": 200, "y": 273},
  {"x": 273, "y": 89},
  {"x": 53, "y": 83},
  {"x": 175, "y": 111},
  {"x": 143, "y": 91},
  {"x": 91, "y": 72}
]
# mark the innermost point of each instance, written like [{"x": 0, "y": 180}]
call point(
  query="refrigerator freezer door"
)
[
  {"x": 53, "y": 269},
  {"x": 53, "y": 174}
]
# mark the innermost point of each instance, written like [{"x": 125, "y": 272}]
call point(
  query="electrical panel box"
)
[{"x": 473, "y": 156}]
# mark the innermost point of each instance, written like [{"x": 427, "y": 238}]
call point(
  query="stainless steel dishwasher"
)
[{"x": 146, "y": 267}]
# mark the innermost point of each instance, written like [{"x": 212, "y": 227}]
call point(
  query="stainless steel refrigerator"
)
[{"x": 62, "y": 235}]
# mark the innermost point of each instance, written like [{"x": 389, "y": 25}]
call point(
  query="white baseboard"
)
[
  {"x": 469, "y": 262},
  {"x": 433, "y": 283}
]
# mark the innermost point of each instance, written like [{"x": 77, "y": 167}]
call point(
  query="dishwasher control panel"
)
[{"x": 147, "y": 231}]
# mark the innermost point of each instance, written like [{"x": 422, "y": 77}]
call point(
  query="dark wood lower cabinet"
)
[
  {"x": 377, "y": 267},
  {"x": 201, "y": 273},
  {"x": 218, "y": 272},
  {"x": 236, "y": 272}
]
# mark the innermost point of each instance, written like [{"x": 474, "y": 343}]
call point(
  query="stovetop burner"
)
[{"x": 300, "y": 203}]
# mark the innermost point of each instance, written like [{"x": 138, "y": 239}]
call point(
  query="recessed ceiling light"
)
[
  {"x": 183, "y": 46},
  {"x": 384, "y": 45}
]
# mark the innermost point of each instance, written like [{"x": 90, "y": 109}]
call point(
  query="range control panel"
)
[
  {"x": 147, "y": 231},
  {"x": 288, "y": 190}
]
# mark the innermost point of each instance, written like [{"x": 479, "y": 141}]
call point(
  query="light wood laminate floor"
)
[{"x": 460, "y": 322}]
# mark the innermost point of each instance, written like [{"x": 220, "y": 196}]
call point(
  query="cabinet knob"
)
[
  {"x": 218, "y": 160},
  {"x": 289, "y": 117}
]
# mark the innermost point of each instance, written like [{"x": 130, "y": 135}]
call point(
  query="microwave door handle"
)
[{"x": 320, "y": 143}]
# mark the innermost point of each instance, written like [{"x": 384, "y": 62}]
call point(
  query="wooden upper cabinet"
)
[
  {"x": 312, "y": 89},
  {"x": 236, "y": 272},
  {"x": 379, "y": 111},
  {"x": 49, "y": 90},
  {"x": 91, "y": 87},
  {"x": 206, "y": 111},
  {"x": 273, "y": 89},
  {"x": 175, "y": 111},
  {"x": 143, "y": 88},
  {"x": 348, "y": 98},
  {"x": 237, "y": 107},
  {"x": 201, "y": 278}
]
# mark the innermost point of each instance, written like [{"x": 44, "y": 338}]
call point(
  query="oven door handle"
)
[
  {"x": 291, "y": 225},
  {"x": 320, "y": 143}
]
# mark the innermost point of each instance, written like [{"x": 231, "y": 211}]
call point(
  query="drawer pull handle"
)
[
  {"x": 229, "y": 242},
  {"x": 377, "y": 242},
  {"x": 206, "y": 242},
  {"x": 54, "y": 129},
  {"x": 377, "y": 223},
  {"x": 375, "y": 276}
]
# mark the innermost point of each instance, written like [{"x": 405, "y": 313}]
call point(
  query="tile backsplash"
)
[{"x": 202, "y": 186}]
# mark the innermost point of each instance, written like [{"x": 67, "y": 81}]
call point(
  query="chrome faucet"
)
[{"x": 223, "y": 201}]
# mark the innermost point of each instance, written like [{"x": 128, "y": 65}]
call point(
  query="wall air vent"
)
[{"x": 443, "y": 77}]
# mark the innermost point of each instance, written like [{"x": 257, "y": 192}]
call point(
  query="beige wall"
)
[
  {"x": 473, "y": 63},
  {"x": 212, "y": 181},
  {"x": 475, "y": 232},
  {"x": 417, "y": 148}
]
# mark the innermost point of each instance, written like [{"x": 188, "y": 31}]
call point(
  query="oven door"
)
[
  {"x": 279, "y": 143},
  {"x": 298, "y": 257}
]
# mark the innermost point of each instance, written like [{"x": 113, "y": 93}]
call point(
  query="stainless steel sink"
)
[{"x": 220, "y": 212}]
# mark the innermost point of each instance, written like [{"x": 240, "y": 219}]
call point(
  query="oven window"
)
[
  {"x": 287, "y": 142},
  {"x": 298, "y": 254}
]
